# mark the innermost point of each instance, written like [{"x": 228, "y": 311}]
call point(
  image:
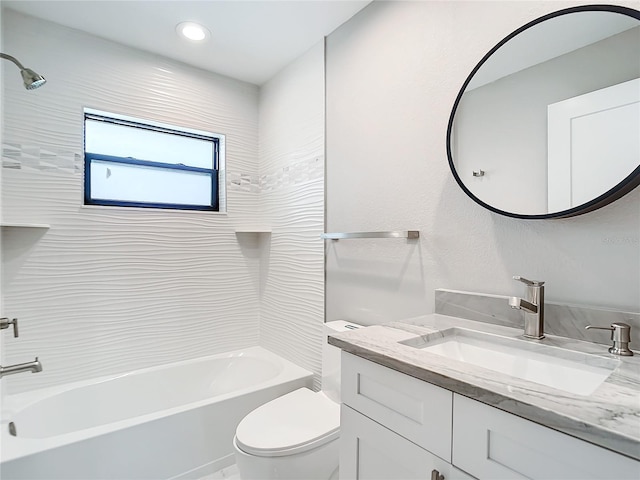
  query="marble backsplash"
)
[{"x": 562, "y": 320}]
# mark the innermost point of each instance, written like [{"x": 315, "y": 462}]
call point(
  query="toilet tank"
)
[{"x": 331, "y": 358}]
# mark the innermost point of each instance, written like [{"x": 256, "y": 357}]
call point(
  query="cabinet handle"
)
[{"x": 436, "y": 475}]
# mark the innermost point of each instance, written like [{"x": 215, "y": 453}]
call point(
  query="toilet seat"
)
[{"x": 294, "y": 423}]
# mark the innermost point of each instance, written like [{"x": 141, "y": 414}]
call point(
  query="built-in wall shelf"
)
[
  {"x": 253, "y": 236},
  {"x": 253, "y": 229},
  {"x": 24, "y": 225}
]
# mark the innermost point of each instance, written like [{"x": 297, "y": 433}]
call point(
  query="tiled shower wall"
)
[
  {"x": 292, "y": 143},
  {"x": 106, "y": 290}
]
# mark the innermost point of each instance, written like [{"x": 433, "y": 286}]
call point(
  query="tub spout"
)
[{"x": 33, "y": 367}]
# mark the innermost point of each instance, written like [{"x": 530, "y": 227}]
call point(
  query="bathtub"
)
[{"x": 176, "y": 421}]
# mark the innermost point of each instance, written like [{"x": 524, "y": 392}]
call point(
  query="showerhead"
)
[{"x": 32, "y": 80}]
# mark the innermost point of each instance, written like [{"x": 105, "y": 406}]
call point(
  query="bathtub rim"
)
[{"x": 17, "y": 447}]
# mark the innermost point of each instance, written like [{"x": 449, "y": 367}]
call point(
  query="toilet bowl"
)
[{"x": 295, "y": 437}]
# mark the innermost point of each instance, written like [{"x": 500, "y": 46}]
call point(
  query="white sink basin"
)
[{"x": 566, "y": 370}]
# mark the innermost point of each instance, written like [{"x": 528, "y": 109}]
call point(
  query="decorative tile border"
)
[
  {"x": 16, "y": 156},
  {"x": 243, "y": 182},
  {"x": 562, "y": 320},
  {"x": 293, "y": 174}
]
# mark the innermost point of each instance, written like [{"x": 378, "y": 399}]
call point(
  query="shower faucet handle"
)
[{"x": 5, "y": 322}]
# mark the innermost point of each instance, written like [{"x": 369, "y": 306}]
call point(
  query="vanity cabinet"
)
[
  {"x": 369, "y": 451},
  {"x": 491, "y": 443},
  {"x": 394, "y": 426}
]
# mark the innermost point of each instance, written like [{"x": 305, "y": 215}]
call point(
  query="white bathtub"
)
[{"x": 173, "y": 421}]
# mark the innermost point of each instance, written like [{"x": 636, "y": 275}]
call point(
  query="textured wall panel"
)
[
  {"x": 292, "y": 305},
  {"x": 292, "y": 180},
  {"x": 106, "y": 290}
]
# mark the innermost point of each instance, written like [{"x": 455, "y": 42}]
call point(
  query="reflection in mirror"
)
[{"x": 552, "y": 116}]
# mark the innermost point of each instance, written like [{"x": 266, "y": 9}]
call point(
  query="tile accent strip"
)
[{"x": 17, "y": 156}]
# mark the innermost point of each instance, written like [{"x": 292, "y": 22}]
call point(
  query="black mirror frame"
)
[{"x": 613, "y": 194}]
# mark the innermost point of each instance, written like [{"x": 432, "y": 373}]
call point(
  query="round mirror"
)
[{"x": 547, "y": 125}]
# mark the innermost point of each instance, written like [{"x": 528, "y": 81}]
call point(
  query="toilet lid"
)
[{"x": 296, "y": 422}]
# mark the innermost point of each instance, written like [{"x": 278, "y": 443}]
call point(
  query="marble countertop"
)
[{"x": 608, "y": 417}]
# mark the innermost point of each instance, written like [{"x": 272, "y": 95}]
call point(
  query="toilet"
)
[{"x": 296, "y": 436}]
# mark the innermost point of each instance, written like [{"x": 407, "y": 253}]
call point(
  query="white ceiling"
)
[{"x": 250, "y": 40}]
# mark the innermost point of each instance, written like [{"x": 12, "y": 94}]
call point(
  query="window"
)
[{"x": 135, "y": 163}]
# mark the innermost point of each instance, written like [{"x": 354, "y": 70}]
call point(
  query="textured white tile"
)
[
  {"x": 105, "y": 290},
  {"x": 292, "y": 181}
]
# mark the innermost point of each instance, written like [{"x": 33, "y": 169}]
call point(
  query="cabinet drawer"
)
[
  {"x": 492, "y": 444},
  {"x": 369, "y": 451},
  {"x": 417, "y": 410}
]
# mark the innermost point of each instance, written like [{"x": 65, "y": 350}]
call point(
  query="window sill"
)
[{"x": 152, "y": 211}]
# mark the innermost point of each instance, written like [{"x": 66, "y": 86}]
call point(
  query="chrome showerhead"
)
[{"x": 32, "y": 80}]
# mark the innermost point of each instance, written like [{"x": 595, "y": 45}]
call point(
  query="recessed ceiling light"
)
[{"x": 192, "y": 31}]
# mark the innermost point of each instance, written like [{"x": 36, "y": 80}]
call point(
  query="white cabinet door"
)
[
  {"x": 414, "y": 409},
  {"x": 492, "y": 444},
  {"x": 369, "y": 451}
]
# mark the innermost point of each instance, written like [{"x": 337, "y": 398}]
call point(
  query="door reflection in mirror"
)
[{"x": 587, "y": 132}]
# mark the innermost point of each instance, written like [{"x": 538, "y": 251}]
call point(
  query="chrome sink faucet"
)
[
  {"x": 532, "y": 306},
  {"x": 33, "y": 367}
]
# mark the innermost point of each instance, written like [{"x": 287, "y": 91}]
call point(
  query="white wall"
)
[
  {"x": 392, "y": 74},
  {"x": 106, "y": 290},
  {"x": 292, "y": 166}
]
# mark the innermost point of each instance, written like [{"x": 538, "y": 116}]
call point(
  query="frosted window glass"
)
[
  {"x": 135, "y": 183},
  {"x": 125, "y": 141}
]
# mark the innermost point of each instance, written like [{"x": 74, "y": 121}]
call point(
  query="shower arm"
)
[{"x": 13, "y": 59}]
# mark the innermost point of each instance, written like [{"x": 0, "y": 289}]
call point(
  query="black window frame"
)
[{"x": 212, "y": 172}]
